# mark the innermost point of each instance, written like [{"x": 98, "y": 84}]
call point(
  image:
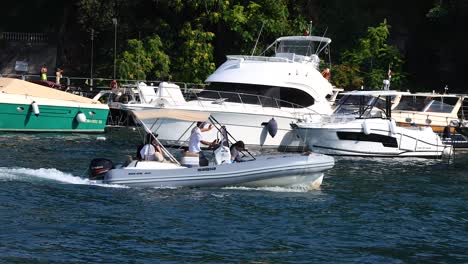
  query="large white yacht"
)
[{"x": 257, "y": 97}]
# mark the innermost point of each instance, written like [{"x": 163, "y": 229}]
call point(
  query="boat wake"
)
[
  {"x": 48, "y": 174},
  {"x": 297, "y": 188}
]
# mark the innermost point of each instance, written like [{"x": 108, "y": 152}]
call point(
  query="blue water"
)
[{"x": 366, "y": 211}]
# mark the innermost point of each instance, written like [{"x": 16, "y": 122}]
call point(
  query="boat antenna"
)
[
  {"x": 320, "y": 43},
  {"x": 256, "y": 42}
]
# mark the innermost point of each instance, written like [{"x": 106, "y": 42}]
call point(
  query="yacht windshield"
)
[
  {"x": 412, "y": 103},
  {"x": 354, "y": 104},
  {"x": 427, "y": 104},
  {"x": 270, "y": 96},
  {"x": 298, "y": 47},
  {"x": 442, "y": 105}
]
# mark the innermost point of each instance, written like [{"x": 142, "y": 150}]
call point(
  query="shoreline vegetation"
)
[{"x": 185, "y": 41}]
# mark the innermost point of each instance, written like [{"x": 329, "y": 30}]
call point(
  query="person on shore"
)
[
  {"x": 44, "y": 73},
  {"x": 113, "y": 84},
  {"x": 58, "y": 75},
  {"x": 196, "y": 140}
]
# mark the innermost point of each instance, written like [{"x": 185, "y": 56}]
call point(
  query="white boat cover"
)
[
  {"x": 17, "y": 86},
  {"x": 184, "y": 115}
]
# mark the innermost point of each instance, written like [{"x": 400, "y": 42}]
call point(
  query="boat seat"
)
[
  {"x": 127, "y": 161},
  {"x": 190, "y": 154}
]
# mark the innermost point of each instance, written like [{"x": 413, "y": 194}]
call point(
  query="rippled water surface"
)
[{"x": 367, "y": 211}]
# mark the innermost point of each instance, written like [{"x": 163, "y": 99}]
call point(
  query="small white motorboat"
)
[
  {"x": 282, "y": 170},
  {"x": 367, "y": 129}
]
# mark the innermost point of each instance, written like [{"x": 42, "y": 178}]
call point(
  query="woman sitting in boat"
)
[
  {"x": 196, "y": 140},
  {"x": 236, "y": 149},
  {"x": 151, "y": 151}
]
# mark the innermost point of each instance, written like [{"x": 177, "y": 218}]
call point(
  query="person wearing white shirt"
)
[
  {"x": 196, "y": 140},
  {"x": 196, "y": 137}
]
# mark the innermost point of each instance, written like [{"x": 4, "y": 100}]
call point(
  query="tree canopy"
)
[{"x": 423, "y": 43}]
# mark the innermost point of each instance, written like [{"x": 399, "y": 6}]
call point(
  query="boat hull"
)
[
  {"x": 20, "y": 116},
  {"x": 380, "y": 139},
  {"x": 277, "y": 170}
]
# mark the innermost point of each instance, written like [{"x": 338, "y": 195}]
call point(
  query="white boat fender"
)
[
  {"x": 81, "y": 117},
  {"x": 366, "y": 128},
  {"x": 392, "y": 126},
  {"x": 35, "y": 108},
  {"x": 271, "y": 126},
  {"x": 222, "y": 155}
]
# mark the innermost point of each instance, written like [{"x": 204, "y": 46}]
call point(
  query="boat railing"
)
[
  {"x": 89, "y": 87},
  {"x": 280, "y": 57},
  {"x": 245, "y": 99}
]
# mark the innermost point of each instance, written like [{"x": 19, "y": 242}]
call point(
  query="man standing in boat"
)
[{"x": 196, "y": 140}]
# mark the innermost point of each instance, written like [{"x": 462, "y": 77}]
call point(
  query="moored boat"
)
[
  {"x": 369, "y": 130},
  {"x": 25, "y": 106},
  {"x": 442, "y": 112}
]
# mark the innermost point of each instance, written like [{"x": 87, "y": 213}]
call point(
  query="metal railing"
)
[
  {"x": 84, "y": 87},
  {"x": 25, "y": 37},
  {"x": 220, "y": 97},
  {"x": 91, "y": 87}
]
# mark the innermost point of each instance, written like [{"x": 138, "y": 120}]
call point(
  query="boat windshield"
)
[
  {"x": 355, "y": 104},
  {"x": 268, "y": 96},
  {"x": 427, "y": 104},
  {"x": 298, "y": 47}
]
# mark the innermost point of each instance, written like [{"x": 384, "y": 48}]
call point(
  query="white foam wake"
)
[
  {"x": 48, "y": 174},
  {"x": 297, "y": 188}
]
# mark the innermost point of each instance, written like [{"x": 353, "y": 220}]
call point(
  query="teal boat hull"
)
[{"x": 51, "y": 118}]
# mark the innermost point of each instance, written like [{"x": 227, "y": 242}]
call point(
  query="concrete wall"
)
[{"x": 34, "y": 53}]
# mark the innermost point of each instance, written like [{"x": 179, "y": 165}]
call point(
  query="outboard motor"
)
[{"x": 99, "y": 167}]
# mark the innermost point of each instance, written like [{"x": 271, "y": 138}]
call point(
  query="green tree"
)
[
  {"x": 368, "y": 64},
  {"x": 195, "y": 55},
  {"x": 144, "y": 59}
]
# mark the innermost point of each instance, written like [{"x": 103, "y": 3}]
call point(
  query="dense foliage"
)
[
  {"x": 184, "y": 40},
  {"x": 370, "y": 62}
]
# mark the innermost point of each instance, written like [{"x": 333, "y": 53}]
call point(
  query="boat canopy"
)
[
  {"x": 17, "y": 86},
  {"x": 304, "y": 38},
  {"x": 436, "y": 95},
  {"x": 183, "y": 115}
]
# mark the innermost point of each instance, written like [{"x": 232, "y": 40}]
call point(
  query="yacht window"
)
[
  {"x": 387, "y": 141},
  {"x": 257, "y": 94},
  {"x": 299, "y": 47},
  {"x": 412, "y": 103},
  {"x": 442, "y": 104},
  {"x": 463, "y": 112}
]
